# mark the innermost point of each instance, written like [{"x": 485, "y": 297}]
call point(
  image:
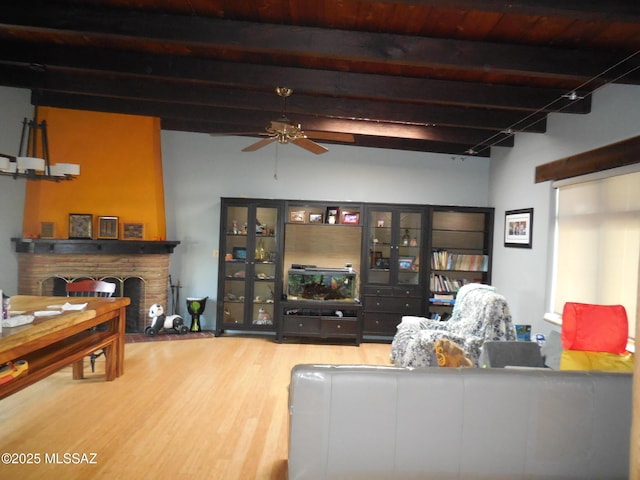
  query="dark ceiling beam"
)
[
  {"x": 200, "y": 93},
  {"x": 589, "y": 10},
  {"x": 259, "y": 119},
  {"x": 619, "y": 154},
  {"x": 212, "y": 35},
  {"x": 456, "y": 150},
  {"x": 314, "y": 82}
]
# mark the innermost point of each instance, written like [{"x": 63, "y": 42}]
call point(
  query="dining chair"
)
[{"x": 91, "y": 288}]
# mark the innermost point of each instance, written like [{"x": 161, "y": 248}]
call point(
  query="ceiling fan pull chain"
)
[{"x": 275, "y": 167}]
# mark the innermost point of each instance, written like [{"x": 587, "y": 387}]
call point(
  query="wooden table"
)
[{"x": 52, "y": 343}]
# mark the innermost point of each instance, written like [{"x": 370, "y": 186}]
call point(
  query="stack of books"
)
[{"x": 443, "y": 260}]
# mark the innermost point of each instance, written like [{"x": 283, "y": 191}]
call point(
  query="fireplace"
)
[{"x": 139, "y": 269}]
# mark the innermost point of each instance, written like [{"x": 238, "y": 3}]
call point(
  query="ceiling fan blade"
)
[
  {"x": 335, "y": 136},
  {"x": 262, "y": 143},
  {"x": 310, "y": 145}
]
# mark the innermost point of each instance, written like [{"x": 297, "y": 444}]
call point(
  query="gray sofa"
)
[{"x": 367, "y": 422}]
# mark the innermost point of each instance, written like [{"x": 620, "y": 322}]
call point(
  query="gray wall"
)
[
  {"x": 523, "y": 275},
  {"x": 199, "y": 169},
  {"x": 14, "y": 106}
]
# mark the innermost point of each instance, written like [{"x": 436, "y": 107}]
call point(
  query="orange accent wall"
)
[{"x": 120, "y": 172}]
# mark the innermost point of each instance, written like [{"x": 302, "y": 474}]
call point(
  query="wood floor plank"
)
[{"x": 207, "y": 408}]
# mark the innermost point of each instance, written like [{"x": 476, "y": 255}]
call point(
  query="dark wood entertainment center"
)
[{"x": 409, "y": 259}]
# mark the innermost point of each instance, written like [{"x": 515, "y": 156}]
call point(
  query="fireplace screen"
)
[{"x": 132, "y": 287}]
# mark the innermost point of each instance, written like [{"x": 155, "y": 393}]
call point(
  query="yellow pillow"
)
[{"x": 604, "y": 361}]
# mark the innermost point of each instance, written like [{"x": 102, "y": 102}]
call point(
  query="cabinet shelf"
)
[
  {"x": 461, "y": 247},
  {"x": 454, "y": 270},
  {"x": 456, "y": 230}
]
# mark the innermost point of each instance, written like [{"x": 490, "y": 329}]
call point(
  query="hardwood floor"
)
[{"x": 212, "y": 408}]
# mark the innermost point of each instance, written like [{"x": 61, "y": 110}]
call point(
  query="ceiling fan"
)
[{"x": 283, "y": 131}]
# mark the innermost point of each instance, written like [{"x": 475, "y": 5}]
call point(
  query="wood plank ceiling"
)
[{"x": 456, "y": 77}]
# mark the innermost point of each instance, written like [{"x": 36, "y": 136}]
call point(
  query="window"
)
[{"x": 597, "y": 245}]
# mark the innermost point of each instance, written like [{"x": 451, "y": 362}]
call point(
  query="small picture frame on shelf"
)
[
  {"x": 405, "y": 264},
  {"x": 382, "y": 263},
  {"x": 108, "y": 228},
  {"x": 47, "y": 230},
  {"x": 316, "y": 218},
  {"x": 333, "y": 215},
  {"x": 80, "y": 226},
  {"x": 518, "y": 228},
  {"x": 239, "y": 253},
  {"x": 350, "y": 218},
  {"x": 297, "y": 216},
  {"x": 133, "y": 231}
]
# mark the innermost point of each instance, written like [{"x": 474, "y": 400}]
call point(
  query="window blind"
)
[{"x": 598, "y": 244}]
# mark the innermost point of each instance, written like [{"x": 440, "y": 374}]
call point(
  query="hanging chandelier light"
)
[{"x": 32, "y": 161}]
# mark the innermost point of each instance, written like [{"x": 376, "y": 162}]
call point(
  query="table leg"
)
[
  {"x": 78, "y": 369},
  {"x": 121, "y": 323}
]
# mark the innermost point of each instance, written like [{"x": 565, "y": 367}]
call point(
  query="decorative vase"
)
[{"x": 195, "y": 307}]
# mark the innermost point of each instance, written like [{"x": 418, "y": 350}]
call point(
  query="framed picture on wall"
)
[
  {"x": 108, "y": 228},
  {"x": 80, "y": 226},
  {"x": 132, "y": 231},
  {"x": 518, "y": 228}
]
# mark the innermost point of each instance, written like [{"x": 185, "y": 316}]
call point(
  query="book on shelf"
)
[
  {"x": 443, "y": 296},
  {"x": 442, "y": 283},
  {"x": 442, "y": 301},
  {"x": 444, "y": 260}
]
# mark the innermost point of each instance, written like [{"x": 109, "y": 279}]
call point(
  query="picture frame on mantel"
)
[
  {"x": 108, "y": 228},
  {"x": 47, "y": 230},
  {"x": 80, "y": 226},
  {"x": 518, "y": 228},
  {"x": 132, "y": 231}
]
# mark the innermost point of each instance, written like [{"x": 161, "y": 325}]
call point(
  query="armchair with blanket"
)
[{"x": 479, "y": 315}]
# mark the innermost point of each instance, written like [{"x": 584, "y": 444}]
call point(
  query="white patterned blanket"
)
[{"x": 480, "y": 315}]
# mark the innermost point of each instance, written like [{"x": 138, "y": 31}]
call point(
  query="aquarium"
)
[{"x": 328, "y": 284}]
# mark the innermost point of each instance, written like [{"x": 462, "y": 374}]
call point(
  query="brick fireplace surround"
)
[{"x": 140, "y": 269}]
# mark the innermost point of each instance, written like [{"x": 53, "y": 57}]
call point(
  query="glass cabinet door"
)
[
  {"x": 410, "y": 232},
  {"x": 263, "y": 267},
  {"x": 250, "y": 252},
  {"x": 380, "y": 238},
  {"x": 395, "y": 239},
  {"x": 235, "y": 264}
]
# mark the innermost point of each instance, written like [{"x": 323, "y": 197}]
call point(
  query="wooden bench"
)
[{"x": 52, "y": 343}]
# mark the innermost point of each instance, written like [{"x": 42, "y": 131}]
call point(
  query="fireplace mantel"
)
[
  {"x": 93, "y": 247},
  {"x": 139, "y": 268}
]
